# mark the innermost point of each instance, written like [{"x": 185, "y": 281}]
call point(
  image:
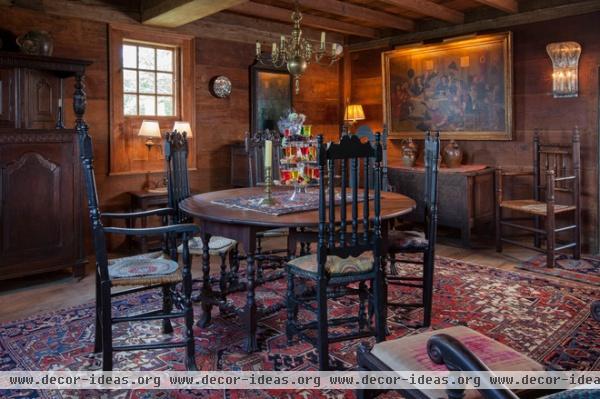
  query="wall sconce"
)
[
  {"x": 565, "y": 61},
  {"x": 151, "y": 130},
  {"x": 183, "y": 127}
]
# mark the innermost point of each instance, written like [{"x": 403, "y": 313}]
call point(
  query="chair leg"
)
[
  {"x": 378, "y": 293},
  {"x": 498, "y": 229},
  {"x": 428, "y": 271},
  {"x": 363, "y": 296},
  {"x": 322, "y": 327},
  {"x": 98, "y": 332},
  {"x": 107, "y": 361},
  {"x": 223, "y": 276},
  {"x": 550, "y": 242},
  {"x": 234, "y": 267},
  {"x": 167, "y": 308},
  {"x": 190, "y": 350},
  {"x": 393, "y": 269},
  {"x": 292, "y": 309}
]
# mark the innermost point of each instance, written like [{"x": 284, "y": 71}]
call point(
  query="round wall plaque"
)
[{"x": 221, "y": 86}]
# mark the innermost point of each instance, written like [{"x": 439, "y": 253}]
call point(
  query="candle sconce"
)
[{"x": 565, "y": 61}]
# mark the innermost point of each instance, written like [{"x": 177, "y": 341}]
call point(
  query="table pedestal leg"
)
[
  {"x": 250, "y": 308},
  {"x": 206, "y": 293}
]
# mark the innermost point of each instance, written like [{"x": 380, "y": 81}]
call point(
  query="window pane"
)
[
  {"x": 164, "y": 60},
  {"x": 164, "y": 83},
  {"x": 146, "y": 58},
  {"x": 129, "y": 80},
  {"x": 165, "y": 105},
  {"x": 129, "y": 56},
  {"x": 147, "y": 82},
  {"x": 147, "y": 105},
  {"x": 130, "y": 104}
]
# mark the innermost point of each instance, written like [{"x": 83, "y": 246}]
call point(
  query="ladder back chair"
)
[
  {"x": 343, "y": 258},
  {"x": 556, "y": 175},
  {"x": 176, "y": 155},
  {"x": 412, "y": 242},
  {"x": 364, "y": 132},
  {"x": 146, "y": 271}
]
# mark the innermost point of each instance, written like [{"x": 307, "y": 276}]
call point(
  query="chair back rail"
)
[
  {"x": 564, "y": 160},
  {"x": 176, "y": 155},
  {"x": 431, "y": 155},
  {"x": 365, "y": 132},
  {"x": 349, "y": 153},
  {"x": 255, "y": 147}
]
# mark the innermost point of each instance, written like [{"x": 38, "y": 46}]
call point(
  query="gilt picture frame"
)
[{"x": 461, "y": 87}]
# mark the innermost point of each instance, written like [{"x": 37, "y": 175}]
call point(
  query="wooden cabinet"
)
[
  {"x": 40, "y": 181},
  {"x": 465, "y": 198}
]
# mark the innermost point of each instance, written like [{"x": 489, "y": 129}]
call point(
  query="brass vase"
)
[{"x": 452, "y": 155}]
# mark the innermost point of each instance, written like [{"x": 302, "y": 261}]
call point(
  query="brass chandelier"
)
[{"x": 297, "y": 52}]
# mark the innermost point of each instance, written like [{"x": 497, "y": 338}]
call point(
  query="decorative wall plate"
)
[{"x": 220, "y": 86}]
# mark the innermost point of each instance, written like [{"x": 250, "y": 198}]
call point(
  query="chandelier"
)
[{"x": 297, "y": 52}]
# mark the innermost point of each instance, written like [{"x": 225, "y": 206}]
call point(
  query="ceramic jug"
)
[{"x": 452, "y": 154}]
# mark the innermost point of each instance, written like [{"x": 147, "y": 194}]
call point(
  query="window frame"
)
[{"x": 128, "y": 153}]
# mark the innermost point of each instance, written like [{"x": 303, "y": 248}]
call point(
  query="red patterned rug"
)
[
  {"x": 585, "y": 270},
  {"x": 546, "y": 320}
]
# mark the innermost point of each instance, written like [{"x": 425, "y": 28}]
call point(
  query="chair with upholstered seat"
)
[
  {"x": 176, "y": 155},
  {"x": 412, "y": 242},
  {"x": 343, "y": 258},
  {"x": 556, "y": 193},
  {"x": 146, "y": 271}
]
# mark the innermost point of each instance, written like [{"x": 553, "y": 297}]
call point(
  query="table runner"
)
[{"x": 307, "y": 201}]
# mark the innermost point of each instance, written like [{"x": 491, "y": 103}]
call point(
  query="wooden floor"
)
[{"x": 21, "y": 298}]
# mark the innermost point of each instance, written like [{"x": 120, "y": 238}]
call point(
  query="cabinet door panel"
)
[
  {"x": 36, "y": 218},
  {"x": 40, "y": 99},
  {"x": 7, "y": 97}
]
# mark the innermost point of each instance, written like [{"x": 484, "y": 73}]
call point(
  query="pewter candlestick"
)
[{"x": 268, "y": 199}]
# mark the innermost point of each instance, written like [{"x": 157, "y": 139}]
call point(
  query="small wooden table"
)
[
  {"x": 465, "y": 194},
  {"x": 142, "y": 201},
  {"x": 242, "y": 225}
]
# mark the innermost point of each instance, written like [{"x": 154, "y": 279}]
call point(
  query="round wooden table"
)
[{"x": 243, "y": 225}]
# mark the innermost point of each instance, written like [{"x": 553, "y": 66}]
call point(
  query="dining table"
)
[{"x": 242, "y": 224}]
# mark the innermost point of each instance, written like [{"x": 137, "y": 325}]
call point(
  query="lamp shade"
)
[
  {"x": 354, "y": 112},
  {"x": 182, "y": 126},
  {"x": 150, "y": 129}
]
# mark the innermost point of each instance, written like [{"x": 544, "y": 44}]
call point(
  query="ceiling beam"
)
[
  {"x": 431, "y": 9},
  {"x": 510, "y": 6},
  {"x": 174, "y": 13},
  {"x": 282, "y": 14},
  {"x": 506, "y": 21},
  {"x": 360, "y": 13}
]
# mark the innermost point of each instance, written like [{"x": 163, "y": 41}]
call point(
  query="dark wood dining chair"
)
[
  {"x": 413, "y": 242},
  {"x": 556, "y": 192},
  {"x": 343, "y": 258},
  {"x": 364, "y": 132},
  {"x": 176, "y": 156},
  {"x": 146, "y": 271},
  {"x": 255, "y": 149}
]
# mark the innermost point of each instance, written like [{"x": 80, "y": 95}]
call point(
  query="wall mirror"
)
[{"x": 270, "y": 96}]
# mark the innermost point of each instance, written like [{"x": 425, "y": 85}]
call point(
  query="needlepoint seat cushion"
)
[
  {"x": 335, "y": 265},
  {"x": 216, "y": 245},
  {"x": 410, "y": 353},
  {"x": 147, "y": 269},
  {"x": 401, "y": 241}
]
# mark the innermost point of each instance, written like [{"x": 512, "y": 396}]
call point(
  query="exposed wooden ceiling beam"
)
[
  {"x": 174, "y": 13},
  {"x": 506, "y": 21},
  {"x": 510, "y": 6},
  {"x": 282, "y": 14},
  {"x": 360, "y": 13},
  {"x": 429, "y": 8}
]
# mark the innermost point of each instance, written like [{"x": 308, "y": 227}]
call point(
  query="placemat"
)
[{"x": 307, "y": 201}]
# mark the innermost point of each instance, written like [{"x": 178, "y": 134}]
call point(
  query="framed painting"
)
[
  {"x": 461, "y": 87},
  {"x": 270, "y": 96}
]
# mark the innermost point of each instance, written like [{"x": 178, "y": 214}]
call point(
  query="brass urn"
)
[{"x": 452, "y": 155}]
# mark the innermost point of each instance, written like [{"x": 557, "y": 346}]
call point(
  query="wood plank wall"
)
[
  {"x": 219, "y": 122},
  {"x": 534, "y": 106}
]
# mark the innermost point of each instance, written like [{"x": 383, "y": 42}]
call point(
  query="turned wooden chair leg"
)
[
  {"x": 107, "y": 351},
  {"x": 428, "y": 265},
  {"x": 323, "y": 330},
  {"x": 98, "y": 332},
  {"x": 167, "y": 308},
  {"x": 292, "y": 309}
]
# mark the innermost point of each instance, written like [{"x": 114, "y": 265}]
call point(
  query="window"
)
[
  {"x": 152, "y": 77},
  {"x": 149, "y": 83}
]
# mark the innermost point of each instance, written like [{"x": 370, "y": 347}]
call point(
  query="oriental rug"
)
[
  {"x": 547, "y": 320},
  {"x": 585, "y": 270}
]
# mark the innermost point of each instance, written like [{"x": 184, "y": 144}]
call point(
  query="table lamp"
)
[
  {"x": 183, "y": 126},
  {"x": 151, "y": 130},
  {"x": 354, "y": 112}
]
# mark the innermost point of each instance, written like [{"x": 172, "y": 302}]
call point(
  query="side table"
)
[{"x": 142, "y": 201}]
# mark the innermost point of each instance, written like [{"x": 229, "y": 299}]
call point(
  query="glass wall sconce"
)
[{"x": 565, "y": 61}]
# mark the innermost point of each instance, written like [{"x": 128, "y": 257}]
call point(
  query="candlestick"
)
[
  {"x": 257, "y": 48},
  {"x": 268, "y": 199},
  {"x": 322, "y": 40},
  {"x": 268, "y": 153},
  {"x": 274, "y": 49}
]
